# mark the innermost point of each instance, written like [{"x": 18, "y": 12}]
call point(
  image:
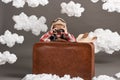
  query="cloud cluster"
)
[
  {"x": 32, "y": 23},
  {"x": 103, "y": 77},
  {"x": 7, "y": 57},
  {"x": 110, "y": 5},
  {"x": 107, "y": 40},
  {"x": 72, "y": 9},
  {"x": 31, "y": 3},
  {"x": 66, "y": 77},
  {"x": 49, "y": 77},
  {"x": 10, "y": 39}
]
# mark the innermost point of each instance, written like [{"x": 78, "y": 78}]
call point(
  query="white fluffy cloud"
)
[
  {"x": 72, "y": 9},
  {"x": 94, "y": 1},
  {"x": 10, "y": 39},
  {"x": 7, "y": 57},
  {"x": 103, "y": 77},
  {"x": 32, "y": 23},
  {"x": 31, "y": 3},
  {"x": 107, "y": 40},
  {"x": 36, "y": 3},
  {"x": 110, "y": 5},
  {"x": 49, "y": 77},
  {"x": 117, "y": 75}
]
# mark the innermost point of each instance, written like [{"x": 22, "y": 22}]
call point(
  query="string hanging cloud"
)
[
  {"x": 6, "y": 56},
  {"x": 110, "y": 5},
  {"x": 31, "y": 3},
  {"x": 49, "y": 77},
  {"x": 107, "y": 40},
  {"x": 32, "y": 23},
  {"x": 10, "y": 39},
  {"x": 72, "y": 9}
]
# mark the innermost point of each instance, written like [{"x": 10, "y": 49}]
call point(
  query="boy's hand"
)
[
  {"x": 65, "y": 30},
  {"x": 53, "y": 31},
  {"x": 50, "y": 32}
]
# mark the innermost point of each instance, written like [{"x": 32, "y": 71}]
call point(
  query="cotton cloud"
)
[
  {"x": 107, "y": 40},
  {"x": 110, "y": 5},
  {"x": 103, "y": 77},
  {"x": 31, "y": 3},
  {"x": 117, "y": 75},
  {"x": 10, "y": 39},
  {"x": 7, "y": 57},
  {"x": 49, "y": 77},
  {"x": 6, "y": 1},
  {"x": 72, "y": 9},
  {"x": 94, "y": 1},
  {"x": 36, "y": 3},
  {"x": 32, "y": 23}
]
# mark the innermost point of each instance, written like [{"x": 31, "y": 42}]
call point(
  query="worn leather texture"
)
[{"x": 75, "y": 59}]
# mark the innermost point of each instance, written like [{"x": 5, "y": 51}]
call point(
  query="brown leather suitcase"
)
[{"x": 75, "y": 59}]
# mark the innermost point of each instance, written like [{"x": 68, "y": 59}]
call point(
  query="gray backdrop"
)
[{"x": 93, "y": 17}]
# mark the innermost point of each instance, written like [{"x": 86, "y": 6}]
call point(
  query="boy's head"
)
[{"x": 58, "y": 24}]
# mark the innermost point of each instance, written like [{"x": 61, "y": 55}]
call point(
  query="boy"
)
[{"x": 58, "y": 32}]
